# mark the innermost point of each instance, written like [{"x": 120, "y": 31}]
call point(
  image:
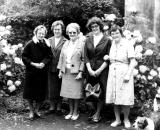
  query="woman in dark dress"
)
[
  {"x": 96, "y": 47},
  {"x": 35, "y": 56},
  {"x": 54, "y": 82}
]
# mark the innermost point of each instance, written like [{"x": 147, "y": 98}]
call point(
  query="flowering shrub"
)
[{"x": 11, "y": 65}]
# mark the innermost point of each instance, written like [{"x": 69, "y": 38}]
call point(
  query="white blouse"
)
[
  {"x": 57, "y": 41},
  {"x": 97, "y": 38},
  {"x": 70, "y": 49}
]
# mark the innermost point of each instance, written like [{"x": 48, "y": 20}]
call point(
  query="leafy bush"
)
[{"x": 11, "y": 66}]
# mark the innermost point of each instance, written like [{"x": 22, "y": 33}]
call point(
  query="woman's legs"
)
[
  {"x": 98, "y": 110},
  {"x": 71, "y": 106},
  {"x": 76, "y": 103},
  {"x": 117, "y": 113},
  {"x": 31, "y": 109}
]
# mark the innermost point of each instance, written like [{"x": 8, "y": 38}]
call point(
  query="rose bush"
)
[{"x": 11, "y": 65}]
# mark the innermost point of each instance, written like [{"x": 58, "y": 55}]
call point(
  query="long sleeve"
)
[
  {"x": 81, "y": 68},
  {"x": 26, "y": 55}
]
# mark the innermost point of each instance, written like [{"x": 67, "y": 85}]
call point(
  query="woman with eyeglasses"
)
[
  {"x": 120, "y": 85},
  {"x": 36, "y": 56},
  {"x": 71, "y": 67},
  {"x": 96, "y": 47}
]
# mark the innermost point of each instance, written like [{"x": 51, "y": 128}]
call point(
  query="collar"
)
[{"x": 35, "y": 40}]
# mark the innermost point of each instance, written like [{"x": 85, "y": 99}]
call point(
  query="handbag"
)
[{"x": 93, "y": 93}]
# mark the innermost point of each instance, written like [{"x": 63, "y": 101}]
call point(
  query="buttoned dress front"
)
[{"x": 119, "y": 92}]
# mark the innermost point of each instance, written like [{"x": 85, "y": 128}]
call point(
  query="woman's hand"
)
[
  {"x": 106, "y": 57},
  {"x": 79, "y": 76},
  {"x": 98, "y": 72},
  {"x": 60, "y": 74}
]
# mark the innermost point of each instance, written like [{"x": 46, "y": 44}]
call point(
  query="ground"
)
[{"x": 52, "y": 122}]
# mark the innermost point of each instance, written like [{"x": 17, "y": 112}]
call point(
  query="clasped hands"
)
[
  {"x": 38, "y": 65},
  {"x": 94, "y": 73}
]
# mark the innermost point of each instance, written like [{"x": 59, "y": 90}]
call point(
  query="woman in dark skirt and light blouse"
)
[
  {"x": 36, "y": 56},
  {"x": 71, "y": 67},
  {"x": 54, "y": 82}
]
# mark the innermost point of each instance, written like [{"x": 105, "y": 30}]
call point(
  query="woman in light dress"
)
[
  {"x": 120, "y": 85},
  {"x": 71, "y": 67}
]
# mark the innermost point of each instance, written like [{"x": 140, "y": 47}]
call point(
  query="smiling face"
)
[
  {"x": 95, "y": 28},
  {"x": 116, "y": 35},
  {"x": 57, "y": 31},
  {"x": 73, "y": 34},
  {"x": 41, "y": 34}
]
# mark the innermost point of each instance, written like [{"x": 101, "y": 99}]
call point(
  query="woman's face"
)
[
  {"x": 41, "y": 34},
  {"x": 95, "y": 28},
  {"x": 57, "y": 31},
  {"x": 116, "y": 35},
  {"x": 73, "y": 34}
]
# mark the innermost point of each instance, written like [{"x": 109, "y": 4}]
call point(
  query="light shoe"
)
[
  {"x": 127, "y": 124},
  {"x": 116, "y": 123},
  {"x": 75, "y": 117},
  {"x": 68, "y": 116}
]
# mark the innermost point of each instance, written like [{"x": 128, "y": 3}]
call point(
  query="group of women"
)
[{"x": 55, "y": 67}]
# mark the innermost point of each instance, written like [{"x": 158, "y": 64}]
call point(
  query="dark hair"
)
[
  {"x": 95, "y": 20},
  {"x": 114, "y": 28}
]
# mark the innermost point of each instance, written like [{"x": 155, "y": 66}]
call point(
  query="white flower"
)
[
  {"x": 143, "y": 68},
  {"x": 158, "y": 69},
  {"x": 4, "y": 42},
  {"x": 14, "y": 47},
  {"x": 152, "y": 40},
  {"x": 135, "y": 72},
  {"x": 2, "y": 17},
  {"x": 17, "y": 60},
  {"x": 110, "y": 17},
  {"x": 153, "y": 73},
  {"x": 9, "y": 82},
  {"x": 17, "y": 83},
  {"x": 12, "y": 51},
  {"x": 137, "y": 36},
  {"x": 2, "y": 28},
  {"x": 138, "y": 55},
  {"x": 148, "y": 52},
  {"x": 138, "y": 49},
  {"x": 158, "y": 91},
  {"x": 8, "y": 27},
  {"x": 8, "y": 73},
  {"x": 143, "y": 77},
  {"x": 138, "y": 76},
  {"x": 154, "y": 85},
  {"x": 150, "y": 77},
  {"x": 3, "y": 66},
  {"x": 20, "y": 45},
  {"x": 6, "y": 50},
  {"x": 12, "y": 88}
]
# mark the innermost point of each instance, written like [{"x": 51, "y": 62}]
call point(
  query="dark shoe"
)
[
  {"x": 50, "y": 112},
  {"x": 59, "y": 113}
]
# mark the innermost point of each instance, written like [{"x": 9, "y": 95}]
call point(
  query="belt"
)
[{"x": 118, "y": 61}]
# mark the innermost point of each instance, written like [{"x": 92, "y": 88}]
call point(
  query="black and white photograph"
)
[{"x": 79, "y": 65}]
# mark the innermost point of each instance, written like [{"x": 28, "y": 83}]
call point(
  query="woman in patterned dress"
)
[{"x": 120, "y": 85}]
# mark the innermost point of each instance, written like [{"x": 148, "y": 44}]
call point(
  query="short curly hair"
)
[
  {"x": 73, "y": 25},
  {"x": 58, "y": 22},
  {"x": 38, "y": 28},
  {"x": 95, "y": 20}
]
